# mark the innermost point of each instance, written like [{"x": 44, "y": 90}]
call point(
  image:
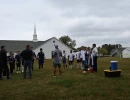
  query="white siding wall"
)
[
  {"x": 48, "y": 47},
  {"x": 126, "y": 53}
]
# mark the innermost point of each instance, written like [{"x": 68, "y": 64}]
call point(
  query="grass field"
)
[{"x": 74, "y": 85}]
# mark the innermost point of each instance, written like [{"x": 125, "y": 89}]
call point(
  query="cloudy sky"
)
[{"x": 86, "y": 21}]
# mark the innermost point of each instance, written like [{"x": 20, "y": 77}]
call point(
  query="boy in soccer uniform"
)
[
  {"x": 91, "y": 63},
  {"x": 12, "y": 63},
  {"x": 71, "y": 59},
  {"x": 18, "y": 61},
  {"x": 41, "y": 57},
  {"x": 83, "y": 58},
  {"x": 64, "y": 59},
  {"x": 78, "y": 54}
]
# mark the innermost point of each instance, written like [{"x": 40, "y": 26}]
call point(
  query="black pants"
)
[
  {"x": 18, "y": 66},
  {"x": 87, "y": 59},
  {"x": 12, "y": 65},
  {"x": 6, "y": 69},
  {"x": 95, "y": 63},
  {"x": 4, "y": 72},
  {"x": 70, "y": 62},
  {"x": 41, "y": 62},
  {"x": 40, "y": 66}
]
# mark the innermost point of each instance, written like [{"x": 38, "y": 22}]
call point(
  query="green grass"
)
[{"x": 74, "y": 85}]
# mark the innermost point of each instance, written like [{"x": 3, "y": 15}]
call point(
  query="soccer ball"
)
[{"x": 84, "y": 72}]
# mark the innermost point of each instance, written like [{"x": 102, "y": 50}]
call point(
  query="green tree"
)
[
  {"x": 68, "y": 41},
  {"x": 103, "y": 51}
]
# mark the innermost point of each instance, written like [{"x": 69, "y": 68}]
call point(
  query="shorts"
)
[
  {"x": 64, "y": 61},
  {"x": 78, "y": 61},
  {"x": 70, "y": 62},
  {"x": 56, "y": 65},
  {"x": 18, "y": 64},
  {"x": 41, "y": 62},
  {"x": 84, "y": 62}
]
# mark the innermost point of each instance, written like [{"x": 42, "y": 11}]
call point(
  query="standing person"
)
[
  {"x": 18, "y": 61},
  {"x": 90, "y": 63},
  {"x": 71, "y": 59},
  {"x": 12, "y": 63},
  {"x": 22, "y": 65},
  {"x": 95, "y": 56},
  {"x": 33, "y": 58},
  {"x": 4, "y": 70},
  {"x": 83, "y": 57},
  {"x": 3, "y": 62},
  {"x": 57, "y": 54},
  {"x": 27, "y": 55},
  {"x": 41, "y": 57},
  {"x": 78, "y": 54},
  {"x": 87, "y": 58},
  {"x": 87, "y": 55},
  {"x": 9, "y": 56},
  {"x": 64, "y": 59}
]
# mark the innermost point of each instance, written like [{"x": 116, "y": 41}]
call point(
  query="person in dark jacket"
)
[
  {"x": 18, "y": 61},
  {"x": 3, "y": 62},
  {"x": 41, "y": 57},
  {"x": 27, "y": 55},
  {"x": 12, "y": 63}
]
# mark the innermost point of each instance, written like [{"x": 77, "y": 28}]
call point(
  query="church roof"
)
[
  {"x": 15, "y": 45},
  {"x": 120, "y": 50}
]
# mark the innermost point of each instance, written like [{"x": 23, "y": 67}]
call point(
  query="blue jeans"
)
[{"x": 27, "y": 63}]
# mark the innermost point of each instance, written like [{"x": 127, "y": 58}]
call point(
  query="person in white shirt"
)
[
  {"x": 71, "y": 59},
  {"x": 87, "y": 55},
  {"x": 78, "y": 54},
  {"x": 83, "y": 57},
  {"x": 90, "y": 61},
  {"x": 64, "y": 59},
  {"x": 95, "y": 56}
]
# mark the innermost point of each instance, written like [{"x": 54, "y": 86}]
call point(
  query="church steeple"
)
[{"x": 35, "y": 34}]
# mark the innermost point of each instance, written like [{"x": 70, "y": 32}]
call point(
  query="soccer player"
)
[
  {"x": 83, "y": 57},
  {"x": 90, "y": 63},
  {"x": 12, "y": 63},
  {"x": 41, "y": 57},
  {"x": 78, "y": 54},
  {"x": 95, "y": 56},
  {"x": 64, "y": 59},
  {"x": 71, "y": 59},
  {"x": 18, "y": 61}
]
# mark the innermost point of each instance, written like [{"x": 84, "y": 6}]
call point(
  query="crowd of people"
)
[
  {"x": 25, "y": 59},
  {"x": 86, "y": 59}
]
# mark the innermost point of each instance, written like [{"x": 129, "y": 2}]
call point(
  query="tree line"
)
[{"x": 105, "y": 49}]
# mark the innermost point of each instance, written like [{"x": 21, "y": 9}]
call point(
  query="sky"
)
[{"x": 86, "y": 21}]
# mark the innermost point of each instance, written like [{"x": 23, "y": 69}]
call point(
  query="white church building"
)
[{"x": 47, "y": 45}]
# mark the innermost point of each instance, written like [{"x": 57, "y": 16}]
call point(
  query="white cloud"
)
[{"x": 86, "y": 21}]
